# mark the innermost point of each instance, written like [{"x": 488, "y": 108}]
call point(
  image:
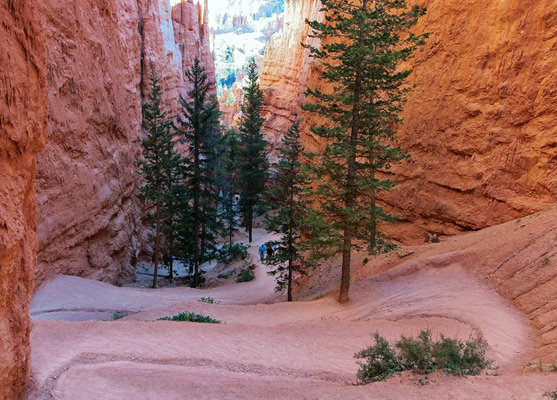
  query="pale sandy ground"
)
[{"x": 265, "y": 348}]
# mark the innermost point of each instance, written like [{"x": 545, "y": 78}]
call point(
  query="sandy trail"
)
[
  {"x": 65, "y": 297},
  {"x": 265, "y": 349}
]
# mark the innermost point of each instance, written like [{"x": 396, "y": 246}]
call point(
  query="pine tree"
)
[
  {"x": 287, "y": 205},
  {"x": 363, "y": 42},
  {"x": 159, "y": 164},
  {"x": 228, "y": 185},
  {"x": 199, "y": 128},
  {"x": 252, "y": 153}
]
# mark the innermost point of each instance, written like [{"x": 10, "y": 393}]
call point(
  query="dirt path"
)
[
  {"x": 72, "y": 298},
  {"x": 269, "y": 349}
]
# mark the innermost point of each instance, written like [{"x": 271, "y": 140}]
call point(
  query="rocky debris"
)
[{"x": 23, "y": 117}]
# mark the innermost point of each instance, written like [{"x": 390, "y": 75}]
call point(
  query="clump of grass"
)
[
  {"x": 191, "y": 317},
  {"x": 208, "y": 300},
  {"x": 245, "y": 275},
  {"x": 422, "y": 355},
  {"x": 552, "y": 394},
  {"x": 116, "y": 315}
]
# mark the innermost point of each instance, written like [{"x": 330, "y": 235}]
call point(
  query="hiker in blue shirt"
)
[{"x": 262, "y": 251}]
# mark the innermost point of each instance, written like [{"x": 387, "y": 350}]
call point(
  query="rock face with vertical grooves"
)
[
  {"x": 99, "y": 59},
  {"x": 23, "y": 116},
  {"x": 191, "y": 29},
  {"x": 287, "y": 68},
  {"x": 481, "y": 124}
]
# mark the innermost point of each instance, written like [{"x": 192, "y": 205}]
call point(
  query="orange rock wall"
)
[
  {"x": 286, "y": 69},
  {"x": 23, "y": 115},
  {"x": 191, "y": 29},
  {"x": 99, "y": 59},
  {"x": 481, "y": 124}
]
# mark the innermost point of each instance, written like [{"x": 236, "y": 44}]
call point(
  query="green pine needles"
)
[
  {"x": 229, "y": 208},
  {"x": 363, "y": 43},
  {"x": 288, "y": 201},
  {"x": 252, "y": 161},
  {"x": 159, "y": 165},
  {"x": 199, "y": 129}
]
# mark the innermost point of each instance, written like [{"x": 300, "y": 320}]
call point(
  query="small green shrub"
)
[
  {"x": 245, "y": 275},
  {"x": 416, "y": 354},
  {"x": 422, "y": 355},
  {"x": 381, "y": 361},
  {"x": 461, "y": 358},
  {"x": 552, "y": 394},
  {"x": 191, "y": 317},
  {"x": 116, "y": 315},
  {"x": 208, "y": 300},
  {"x": 222, "y": 276}
]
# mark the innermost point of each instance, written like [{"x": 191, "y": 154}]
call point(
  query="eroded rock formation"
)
[
  {"x": 480, "y": 126},
  {"x": 23, "y": 115},
  {"x": 191, "y": 30},
  {"x": 99, "y": 60},
  {"x": 287, "y": 68}
]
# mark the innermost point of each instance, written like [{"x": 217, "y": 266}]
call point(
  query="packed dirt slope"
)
[
  {"x": 518, "y": 259},
  {"x": 100, "y": 55},
  {"x": 480, "y": 124},
  {"x": 23, "y": 115},
  {"x": 302, "y": 349}
]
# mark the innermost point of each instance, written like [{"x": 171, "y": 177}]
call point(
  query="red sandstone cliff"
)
[
  {"x": 191, "y": 29},
  {"x": 286, "y": 69},
  {"x": 89, "y": 218},
  {"x": 22, "y": 134},
  {"x": 480, "y": 126}
]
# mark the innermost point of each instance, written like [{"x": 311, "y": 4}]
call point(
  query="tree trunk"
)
[
  {"x": 289, "y": 280},
  {"x": 350, "y": 198},
  {"x": 196, "y": 207},
  {"x": 196, "y": 247},
  {"x": 373, "y": 222},
  {"x": 345, "y": 273},
  {"x": 290, "y": 240},
  {"x": 171, "y": 269},
  {"x": 249, "y": 223},
  {"x": 157, "y": 239},
  {"x": 203, "y": 240}
]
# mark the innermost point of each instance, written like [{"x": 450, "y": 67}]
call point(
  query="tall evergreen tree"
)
[
  {"x": 159, "y": 164},
  {"x": 252, "y": 153},
  {"x": 363, "y": 42},
  {"x": 199, "y": 128},
  {"x": 287, "y": 205},
  {"x": 229, "y": 211}
]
